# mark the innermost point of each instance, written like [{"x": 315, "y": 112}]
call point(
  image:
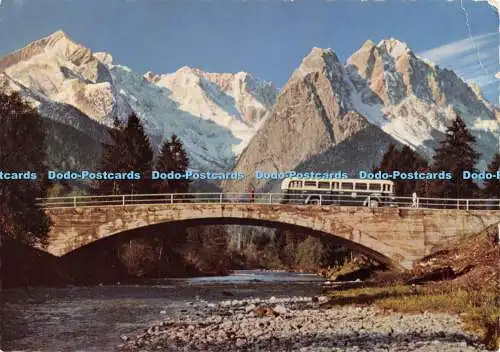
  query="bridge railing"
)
[{"x": 270, "y": 198}]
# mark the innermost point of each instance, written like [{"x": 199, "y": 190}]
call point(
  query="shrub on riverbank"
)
[
  {"x": 478, "y": 308},
  {"x": 468, "y": 287}
]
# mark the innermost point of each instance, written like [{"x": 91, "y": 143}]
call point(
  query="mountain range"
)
[
  {"x": 335, "y": 116},
  {"x": 329, "y": 115},
  {"x": 215, "y": 115}
]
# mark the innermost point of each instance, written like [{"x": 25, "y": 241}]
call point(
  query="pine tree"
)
[
  {"x": 111, "y": 158},
  {"x": 409, "y": 161},
  {"x": 388, "y": 160},
  {"x": 139, "y": 156},
  {"x": 492, "y": 187},
  {"x": 129, "y": 150},
  {"x": 456, "y": 154},
  {"x": 22, "y": 149},
  {"x": 173, "y": 157},
  {"x": 404, "y": 160}
]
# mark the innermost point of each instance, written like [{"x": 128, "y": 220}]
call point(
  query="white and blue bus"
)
[{"x": 372, "y": 193}]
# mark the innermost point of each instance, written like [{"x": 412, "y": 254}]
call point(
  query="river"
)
[{"x": 92, "y": 318}]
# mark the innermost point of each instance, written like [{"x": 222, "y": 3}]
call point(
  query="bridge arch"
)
[
  {"x": 373, "y": 254},
  {"x": 396, "y": 237}
]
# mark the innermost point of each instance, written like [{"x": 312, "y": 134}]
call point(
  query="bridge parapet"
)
[{"x": 267, "y": 198}]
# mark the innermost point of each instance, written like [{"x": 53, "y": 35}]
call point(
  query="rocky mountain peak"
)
[
  {"x": 57, "y": 36},
  {"x": 188, "y": 70},
  {"x": 61, "y": 70},
  {"x": 368, "y": 44},
  {"x": 394, "y": 47},
  {"x": 235, "y": 101},
  {"x": 61, "y": 45},
  {"x": 104, "y": 57},
  {"x": 318, "y": 60},
  {"x": 151, "y": 77}
]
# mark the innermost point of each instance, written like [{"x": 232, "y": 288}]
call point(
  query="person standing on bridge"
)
[
  {"x": 252, "y": 194},
  {"x": 414, "y": 203}
]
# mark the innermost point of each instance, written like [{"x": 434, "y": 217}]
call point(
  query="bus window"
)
[
  {"x": 375, "y": 187},
  {"x": 347, "y": 185},
  {"x": 324, "y": 185},
  {"x": 335, "y": 186},
  {"x": 361, "y": 186},
  {"x": 309, "y": 183}
]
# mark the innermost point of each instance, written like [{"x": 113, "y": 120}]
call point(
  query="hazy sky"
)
[{"x": 266, "y": 38}]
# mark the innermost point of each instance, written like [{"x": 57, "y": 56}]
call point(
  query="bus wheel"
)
[
  {"x": 314, "y": 201},
  {"x": 373, "y": 203}
]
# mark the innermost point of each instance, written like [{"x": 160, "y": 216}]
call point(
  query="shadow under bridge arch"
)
[{"x": 342, "y": 239}]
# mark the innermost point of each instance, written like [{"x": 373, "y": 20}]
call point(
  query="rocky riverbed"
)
[{"x": 298, "y": 324}]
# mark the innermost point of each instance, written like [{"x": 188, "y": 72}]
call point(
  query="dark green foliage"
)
[
  {"x": 456, "y": 154},
  {"x": 409, "y": 161},
  {"x": 22, "y": 148},
  {"x": 173, "y": 157},
  {"x": 129, "y": 150},
  {"x": 389, "y": 159},
  {"x": 283, "y": 249},
  {"x": 492, "y": 187},
  {"x": 404, "y": 160},
  {"x": 206, "y": 249}
]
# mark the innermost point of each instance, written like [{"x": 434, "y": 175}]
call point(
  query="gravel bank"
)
[{"x": 299, "y": 324}]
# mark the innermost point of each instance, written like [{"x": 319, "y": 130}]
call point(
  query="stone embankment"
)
[{"x": 299, "y": 324}]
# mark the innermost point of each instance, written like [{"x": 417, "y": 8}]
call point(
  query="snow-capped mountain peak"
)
[
  {"x": 233, "y": 100},
  {"x": 394, "y": 47},
  {"x": 214, "y": 114},
  {"x": 104, "y": 57},
  {"x": 66, "y": 72},
  {"x": 217, "y": 114},
  {"x": 417, "y": 98},
  {"x": 316, "y": 61}
]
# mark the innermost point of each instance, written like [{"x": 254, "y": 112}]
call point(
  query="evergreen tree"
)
[
  {"x": 456, "y": 154},
  {"x": 173, "y": 157},
  {"x": 492, "y": 187},
  {"x": 409, "y": 161},
  {"x": 112, "y": 158},
  {"x": 22, "y": 149},
  {"x": 139, "y": 155},
  {"x": 404, "y": 160},
  {"x": 388, "y": 160},
  {"x": 129, "y": 150}
]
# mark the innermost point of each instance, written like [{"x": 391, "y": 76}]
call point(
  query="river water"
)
[{"x": 92, "y": 318}]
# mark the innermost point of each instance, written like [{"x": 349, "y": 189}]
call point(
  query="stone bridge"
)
[{"x": 394, "y": 236}]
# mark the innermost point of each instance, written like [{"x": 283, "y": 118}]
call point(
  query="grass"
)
[{"x": 479, "y": 309}]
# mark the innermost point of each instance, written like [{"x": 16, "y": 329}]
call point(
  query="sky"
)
[{"x": 268, "y": 38}]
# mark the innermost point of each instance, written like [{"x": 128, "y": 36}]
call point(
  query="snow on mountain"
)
[
  {"x": 235, "y": 101},
  {"x": 312, "y": 114},
  {"x": 220, "y": 116},
  {"x": 57, "y": 111},
  {"x": 414, "y": 100},
  {"x": 335, "y": 116},
  {"x": 208, "y": 144},
  {"x": 73, "y": 139},
  {"x": 214, "y": 114},
  {"x": 66, "y": 72}
]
